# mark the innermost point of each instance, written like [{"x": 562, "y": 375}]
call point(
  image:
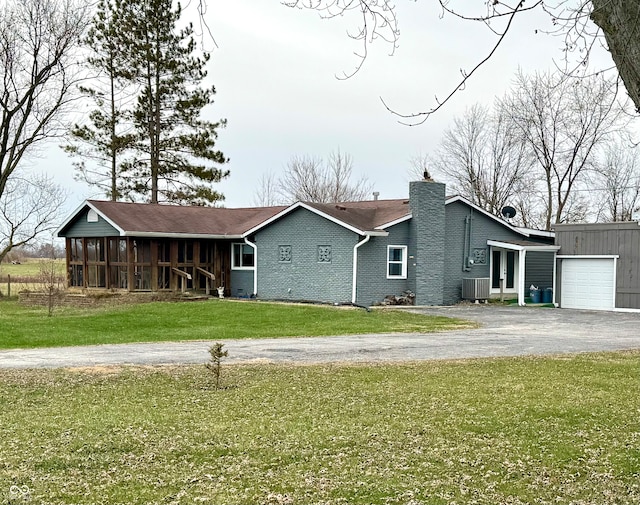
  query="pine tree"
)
[
  {"x": 104, "y": 139},
  {"x": 176, "y": 159}
]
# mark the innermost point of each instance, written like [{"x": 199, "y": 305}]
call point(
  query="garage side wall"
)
[{"x": 622, "y": 239}]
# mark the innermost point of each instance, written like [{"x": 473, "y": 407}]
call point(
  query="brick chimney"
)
[{"x": 427, "y": 230}]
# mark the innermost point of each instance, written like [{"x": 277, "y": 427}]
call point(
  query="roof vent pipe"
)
[{"x": 376, "y": 194}]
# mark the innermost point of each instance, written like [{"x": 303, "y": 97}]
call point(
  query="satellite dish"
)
[{"x": 508, "y": 212}]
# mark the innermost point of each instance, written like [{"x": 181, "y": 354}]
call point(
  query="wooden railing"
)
[
  {"x": 209, "y": 278},
  {"x": 184, "y": 277}
]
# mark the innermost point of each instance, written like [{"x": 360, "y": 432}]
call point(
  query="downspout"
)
[
  {"x": 553, "y": 281},
  {"x": 355, "y": 266},
  {"x": 615, "y": 280},
  {"x": 465, "y": 245},
  {"x": 468, "y": 237},
  {"x": 522, "y": 258},
  {"x": 470, "y": 240},
  {"x": 255, "y": 265}
]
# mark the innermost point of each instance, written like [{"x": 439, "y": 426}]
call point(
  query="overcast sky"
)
[{"x": 275, "y": 74}]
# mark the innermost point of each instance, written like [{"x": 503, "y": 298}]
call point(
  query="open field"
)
[
  {"x": 27, "y": 327},
  {"x": 29, "y": 268},
  {"x": 495, "y": 431},
  {"x": 28, "y": 275}
]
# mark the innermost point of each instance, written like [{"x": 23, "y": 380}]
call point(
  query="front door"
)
[{"x": 504, "y": 267}]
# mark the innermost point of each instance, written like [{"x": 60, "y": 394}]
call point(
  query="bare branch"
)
[
  {"x": 38, "y": 42},
  {"x": 311, "y": 179},
  {"x": 377, "y": 21},
  {"x": 421, "y": 117},
  {"x": 29, "y": 209}
]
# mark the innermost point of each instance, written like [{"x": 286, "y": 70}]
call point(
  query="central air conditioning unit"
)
[{"x": 477, "y": 288}]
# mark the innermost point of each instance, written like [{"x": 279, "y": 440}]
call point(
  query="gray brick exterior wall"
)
[
  {"x": 483, "y": 228},
  {"x": 427, "y": 228},
  {"x": 241, "y": 283},
  {"x": 373, "y": 284},
  {"x": 304, "y": 277}
]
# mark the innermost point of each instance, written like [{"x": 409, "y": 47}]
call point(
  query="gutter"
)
[
  {"x": 355, "y": 266},
  {"x": 255, "y": 266}
]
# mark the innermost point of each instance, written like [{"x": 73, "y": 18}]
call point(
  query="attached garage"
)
[
  {"x": 588, "y": 282},
  {"x": 598, "y": 266}
]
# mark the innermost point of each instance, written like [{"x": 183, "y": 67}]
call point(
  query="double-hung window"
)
[
  {"x": 397, "y": 262},
  {"x": 242, "y": 257}
]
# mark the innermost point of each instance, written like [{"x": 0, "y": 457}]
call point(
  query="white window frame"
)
[
  {"x": 235, "y": 261},
  {"x": 402, "y": 262}
]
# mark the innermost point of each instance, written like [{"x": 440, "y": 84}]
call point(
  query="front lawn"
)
[
  {"x": 22, "y": 327},
  {"x": 520, "y": 431}
]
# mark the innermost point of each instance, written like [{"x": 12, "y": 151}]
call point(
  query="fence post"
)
[{"x": 8, "y": 286}]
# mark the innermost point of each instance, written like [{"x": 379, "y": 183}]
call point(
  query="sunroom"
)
[{"x": 134, "y": 247}]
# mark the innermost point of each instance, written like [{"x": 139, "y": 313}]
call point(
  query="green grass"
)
[
  {"x": 494, "y": 431},
  {"x": 22, "y": 327}
]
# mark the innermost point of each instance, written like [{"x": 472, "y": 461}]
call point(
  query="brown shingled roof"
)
[
  {"x": 367, "y": 215},
  {"x": 173, "y": 219}
]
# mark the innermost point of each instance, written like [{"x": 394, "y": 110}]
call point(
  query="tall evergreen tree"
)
[
  {"x": 176, "y": 159},
  {"x": 105, "y": 138}
]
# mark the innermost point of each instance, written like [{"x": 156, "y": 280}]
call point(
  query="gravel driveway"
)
[{"x": 505, "y": 331}]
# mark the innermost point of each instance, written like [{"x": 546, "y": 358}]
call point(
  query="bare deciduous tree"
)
[
  {"x": 563, "y": 123},
  {"x": 580, "y": 23},
  {"x": 483, "y": 159},
  {"x": 29, "y": 208},
  {"x": 38, "y": 44},
  {"x": 267, "y": 193},
  {"x": 618, "y": 179},
  {"x": 312, "y": 179}
]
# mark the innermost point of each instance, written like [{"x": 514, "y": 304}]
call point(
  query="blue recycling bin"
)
[
  {"x": 547, "y": 295},
  {"x": 535, "y": 295}
]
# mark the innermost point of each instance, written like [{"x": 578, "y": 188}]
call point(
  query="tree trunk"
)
[{"x": 618, "y": 20}]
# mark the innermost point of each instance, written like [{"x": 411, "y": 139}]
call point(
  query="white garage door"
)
[{"x": 588, "y": 283}]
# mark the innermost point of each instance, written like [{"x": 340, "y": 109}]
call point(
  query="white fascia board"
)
[
  {"x": 71, "y": 217},
  {"x": 393, "y": 223},
  {"x": 271, "y": 219},
  {"x": 540, "y": 233},
  {"x": 520, "y": 231},
  {"x": 333, "y": 219},
  {"x": 376, "y": 233},
  {"x": 298, "y": 205},
  {"x": 588, "y": 256},
  {"x": 122, "y": 232},
  {"x": 518, "y": 247},
  {"x": 75, "y": 213},
  {"x": 542, "y": 248},
  {"x": 150, "y": 234}
]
